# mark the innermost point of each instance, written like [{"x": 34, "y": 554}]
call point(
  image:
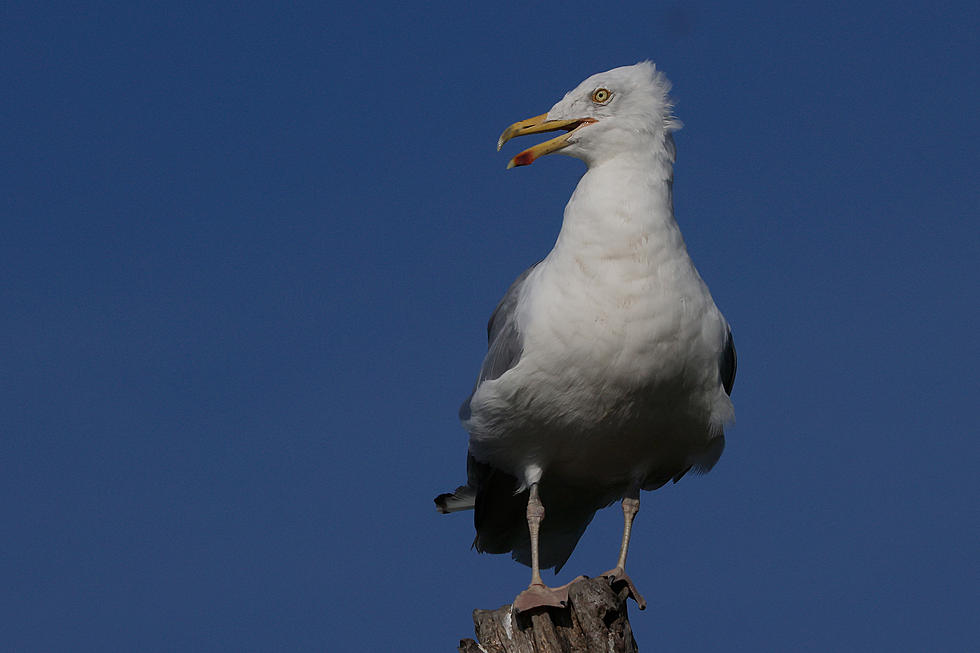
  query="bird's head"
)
[{"x": 620, "y": 110}]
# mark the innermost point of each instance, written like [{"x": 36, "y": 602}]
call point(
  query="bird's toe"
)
[{"x": 618, "y": 575}]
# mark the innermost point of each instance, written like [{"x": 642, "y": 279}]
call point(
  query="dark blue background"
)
[{"x": 248, "y": 253}]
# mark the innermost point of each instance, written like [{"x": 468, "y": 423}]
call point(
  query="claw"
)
[{"x": 619, "y": 575}]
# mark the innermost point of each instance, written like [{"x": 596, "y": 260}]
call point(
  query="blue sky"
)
[{"x": 249, "y": 251}]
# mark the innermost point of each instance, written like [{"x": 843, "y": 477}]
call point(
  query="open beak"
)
[{"x": 536, "y": 125}]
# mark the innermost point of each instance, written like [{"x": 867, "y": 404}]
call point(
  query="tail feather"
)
[{"x": 463, "y": 498}]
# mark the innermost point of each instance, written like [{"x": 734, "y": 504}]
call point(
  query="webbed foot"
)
[
  {"x": 539, "y": 596},
  {"x": 619, "y": 575}
]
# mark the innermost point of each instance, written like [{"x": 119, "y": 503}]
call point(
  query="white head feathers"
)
[{"x": 632, "y": 109}]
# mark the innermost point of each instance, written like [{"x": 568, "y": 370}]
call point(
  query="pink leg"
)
[
  {"x": 538, "y": 594},
  {"x": 631, "y": 506}
]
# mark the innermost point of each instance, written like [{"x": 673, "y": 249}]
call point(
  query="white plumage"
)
[{"x": 609, "y": 367}]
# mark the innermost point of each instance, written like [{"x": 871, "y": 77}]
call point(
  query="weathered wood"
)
[{"x": 595, "y": 620}]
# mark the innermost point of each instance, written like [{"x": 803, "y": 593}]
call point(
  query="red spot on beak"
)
[{"x": 525, "y": 158}]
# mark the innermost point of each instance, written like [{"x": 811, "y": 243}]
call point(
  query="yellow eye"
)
[{"x": 601, "y": 95}]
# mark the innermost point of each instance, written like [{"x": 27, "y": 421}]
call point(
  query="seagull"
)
[{"x": 609, "y": 368}]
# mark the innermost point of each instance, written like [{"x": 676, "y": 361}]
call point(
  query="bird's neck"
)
[{"x": 622, "y": 209}]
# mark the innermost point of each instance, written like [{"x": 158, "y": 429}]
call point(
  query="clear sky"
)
[{"x": 247, "y": 257}]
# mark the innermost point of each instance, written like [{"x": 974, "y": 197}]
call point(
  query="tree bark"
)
[{"x": 595, "y": 620}]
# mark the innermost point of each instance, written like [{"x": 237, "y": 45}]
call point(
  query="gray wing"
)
[
  {"x": 728, "y": 364},
  {"x": 703, "y": 461},
  {"x": 505, "y": 343}
]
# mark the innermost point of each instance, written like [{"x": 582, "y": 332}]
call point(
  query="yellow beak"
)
[{"x": 536, "y": 125}]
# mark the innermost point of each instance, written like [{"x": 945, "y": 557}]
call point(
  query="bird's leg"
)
[
  {"x": 538, "y": 594},
  {"x": 631, "y": 506},
  {"x": 535, "y": 515}
]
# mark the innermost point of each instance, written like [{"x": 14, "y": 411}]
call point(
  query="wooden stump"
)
[{"x": 595, "y": 620}]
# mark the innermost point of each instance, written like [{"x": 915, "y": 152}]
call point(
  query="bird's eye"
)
[{"x": 601, "y": 95}]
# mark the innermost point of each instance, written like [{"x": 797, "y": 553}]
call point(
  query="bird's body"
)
[
  {"x": 620, "y": 343},
  {"x": 609, "y": 365}
]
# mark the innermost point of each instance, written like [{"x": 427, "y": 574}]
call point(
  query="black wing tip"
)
[
  {"x": 442, "y": 502},
  {"x": 462, "y": 499},
  {"x": 728, "y": 365}
]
